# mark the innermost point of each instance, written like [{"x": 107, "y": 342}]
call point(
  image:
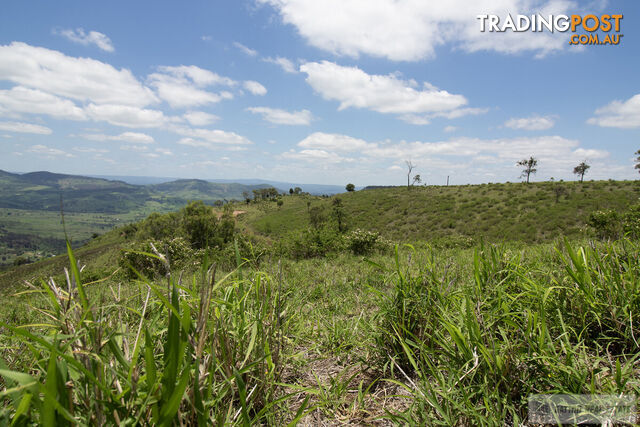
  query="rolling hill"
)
[
  {"x": 534, "y": 212},
  {"x": 30, "y": 206}
]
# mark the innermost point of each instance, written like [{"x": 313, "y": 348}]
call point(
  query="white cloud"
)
[
  {"x": 81, "y": 79},
  {"x": 450, "y": 129},
  {"x": 411, "y": 30},
  {"x": 255, "y": 88},
  {"x": 619, "y": 114},
  {"x": 47, "y": 151},
  {"x": 554, "y": 152},
  {"x": 200, "y": 118},
  {"x": 244, "y": 49},
  {"x": 335, "y": 142},
  {"x": 314, "y": 156},
  {"x": 164, "y": 151},
  {"x": 284, "y": 63},
  {"x": 20, "y": 99},
  {"x": 134, "y": 148},
  {"x": 90, "y": 150},
  {"x": 198, "y": 143},
  {"x": 352, "y": 87},
  {"x": 183, "y": 86},
  {"x": 196, "y": 136},
  {"x": 282, "y": 117},
  {"x": 133, "y": 137},
  {"x": 92, "y": 37},
  {"x": 24, "y": 128},
  {"x": 199, "y": 76},
  {"x": 126, "y": 116},
  {"x": 531, "y": 123}
]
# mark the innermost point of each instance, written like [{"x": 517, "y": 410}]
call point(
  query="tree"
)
[
  {"x": 339, "y": 214},
  {"x": 297, "y": 190},
  {"x": 247, "y": 197},
  {"x": 637, "y": 166},
  {"x": 350, "y": 187},
  {"x": 410, "y": 167},
  {"x": 290, "y": 190},
  {"x": 581, "y": 169},
  {"x": 559, "y": 190},
  {"x": 529, "y": 167},
  {"x": 417, "y": 179}
]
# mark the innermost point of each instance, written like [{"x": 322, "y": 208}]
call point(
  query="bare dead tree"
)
[{"x": 410, "y": 167}]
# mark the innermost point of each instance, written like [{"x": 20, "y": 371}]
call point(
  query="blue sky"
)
[{"x": 320, "y": 92}]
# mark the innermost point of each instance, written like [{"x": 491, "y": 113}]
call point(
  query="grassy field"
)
[
  {"x": 536, "y": 212},
  {"x": 30, "y": 204},
  {"x": 378, "y": 333},
  {"x": 37, "y": 234}
]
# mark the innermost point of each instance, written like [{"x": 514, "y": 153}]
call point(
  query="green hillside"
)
[
  {"x": 271, "y": 321},
  {"x": 30, "y": 204},
  {"x": 44, "y": 190},
  {"x": 511, "y": 211},
  {"x": 208, "y": 192}
]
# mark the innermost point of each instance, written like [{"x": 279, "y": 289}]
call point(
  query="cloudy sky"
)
[{"x": 330, "y": 91}]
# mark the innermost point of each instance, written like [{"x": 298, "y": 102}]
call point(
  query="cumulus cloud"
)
[
  {"x": 255, "y": 87},
  {"x": 133, "y": 137},
  {"x": 244, "y": 49},
  {"x": 354, "y": 88},
  {"x": 134, "y": 148},
  {"x": 24, "y": 128},
  {"x": 283, "y": 117},
  {"x": 335, "y": 142},
  {"x": 90, "y": 150},
  {"x": 200, "y": 118},
  {"x": 410, "y": 30},
  {"x": 92, "y": 37},
  {"x": 198, "y": 137},
  {"x": 126, "y": 116},
  {"x": 531, "y": 123},
  {"x": 425, "y": 119},
  {"x": 286, "y": 64},
  {"x": 314, "y": 156},
  {"x": 619, "y": 114},
  {"x": 20, "y": 99},
  {"x": 554, "y": 152},
  {"x": 47, "y": 151},
  {"x": 184, "y": 86},
  {"x": 81, "y": 79}
]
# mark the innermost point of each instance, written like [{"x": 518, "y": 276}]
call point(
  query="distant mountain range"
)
[
  {"x": 316, "y": 189},
  {"x": 44, "y": 191}
]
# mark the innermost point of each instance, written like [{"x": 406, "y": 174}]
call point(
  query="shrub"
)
[
  {"x": 157, "y": 226},
  {"x": 631, "y": 222},
  {"x": 142, "y": 258},
  {"x": 310, "y": 243},
  {"x": 362, "y": 242},
  {"x": 606, "y": 223}
]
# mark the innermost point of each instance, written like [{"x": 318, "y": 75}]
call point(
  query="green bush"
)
[
  {"x": 362, "y": 242},
  {"x": 605, "y": 223},
  {"x": 203, "y": 228},
  {"x": 631, "y": 222},
  {"x": 144, "y": 260},
  {"x": 310, "y": 243}
]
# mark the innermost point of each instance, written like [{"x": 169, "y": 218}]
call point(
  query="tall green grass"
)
[
  {"x": 424, "y": 336},
  {"x": 471, "y": 352},
  {"x": 181, "y": 351}
]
